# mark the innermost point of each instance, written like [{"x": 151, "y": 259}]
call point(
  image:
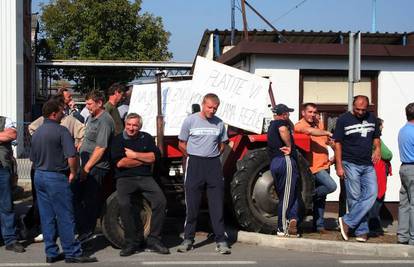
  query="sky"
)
[{"x": 186, "y": 20}]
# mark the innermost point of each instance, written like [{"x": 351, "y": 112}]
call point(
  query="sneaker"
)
[
  {"x": 344, "y": 228},
  {"x": 293, "y": 227},
  {"x": 362, "y": 238},
  {"x": 38, "y": 238},
  {"x": 186, "y": 245},
  {"x": 16, "y": 247},
  {"x": 280, "y": 233},
  {"x": 223, "y": 248}
]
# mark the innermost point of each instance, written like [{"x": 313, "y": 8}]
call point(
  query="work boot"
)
[
  {"x": 16, "y": 247},
  {"x": 157, "y": 247}
]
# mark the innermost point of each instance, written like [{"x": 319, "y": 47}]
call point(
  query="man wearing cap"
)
[
  {"x": 284, "y": 169},
  {"x": 357, "y": 147},
  {"x": 405, "y": 233},
  {"x": 318, "y": 160}
]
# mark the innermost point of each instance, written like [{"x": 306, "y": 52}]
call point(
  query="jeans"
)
[
  {"x": 361, "y": 192},
  {"x": 54, "y": 198},
  {"x": 7, "y": 218},
  {"x": 324, "y": 186},
  {"x": 405, "y": 232}
]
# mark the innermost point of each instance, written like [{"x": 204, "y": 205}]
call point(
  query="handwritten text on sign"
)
[
  {"x": 243, "y": 96},
  {"x": 176, "y": 105}
]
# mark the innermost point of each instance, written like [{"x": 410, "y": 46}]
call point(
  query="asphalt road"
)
[{"x": 203, "y": 255}]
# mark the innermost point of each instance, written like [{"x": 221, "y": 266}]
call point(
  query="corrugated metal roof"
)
[{"x": 306, "y": 37}]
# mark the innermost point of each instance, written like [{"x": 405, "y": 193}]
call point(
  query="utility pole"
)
[
  {"x": 245, "y": 30},
  {"x": 374, "y": 16},
  {"x": 233, "y": 22}
]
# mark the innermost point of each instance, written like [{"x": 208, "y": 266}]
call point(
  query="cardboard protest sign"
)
[
  {"x": 176, "y": 105},
  {"x": 244, "y": 100},
  {"x": 243, "y": 96}
]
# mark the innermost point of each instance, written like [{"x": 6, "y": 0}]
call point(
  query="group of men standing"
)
[
  {"x": 70, "y": 199},
  {"x": 357, "y": 146}
]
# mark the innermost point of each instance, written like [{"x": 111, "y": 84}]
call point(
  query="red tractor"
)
[{"x": 250, "y": 192}]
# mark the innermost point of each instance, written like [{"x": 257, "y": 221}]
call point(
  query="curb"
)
[{"x": 327, "y": 246}]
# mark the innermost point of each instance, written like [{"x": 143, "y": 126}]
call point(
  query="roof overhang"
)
[
  {"x": 245, "y": 48},
  {"x": 114, "y": 63}
]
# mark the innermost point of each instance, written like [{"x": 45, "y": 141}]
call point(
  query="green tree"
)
[{"x": 101, "y": 30}]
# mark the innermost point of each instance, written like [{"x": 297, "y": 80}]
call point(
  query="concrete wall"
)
[{"x": 395, "y": 91}]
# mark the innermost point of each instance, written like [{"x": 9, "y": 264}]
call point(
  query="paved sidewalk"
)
[{"x": 327, "y": 246}]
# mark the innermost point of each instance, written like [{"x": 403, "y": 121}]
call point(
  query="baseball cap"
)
[{"x": 281, "y": 108}]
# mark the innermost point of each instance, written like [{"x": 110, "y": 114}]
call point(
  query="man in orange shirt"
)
[{"x": 318, "y": 160}]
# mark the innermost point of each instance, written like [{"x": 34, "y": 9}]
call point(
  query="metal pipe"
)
[
  {"x": 351, "y": 71},
  {"x": 374, "y": 16},
  {"x": 245, "y": 30},
  {"x": 216, "y": 45},
  {"x": 266, "y": 21},
  {"x": 160, "y": 117}
]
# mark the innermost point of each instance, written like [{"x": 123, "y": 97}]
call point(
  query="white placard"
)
[
  {"x": 176, "y": 105},
  {"x": 243, "y": 96}
]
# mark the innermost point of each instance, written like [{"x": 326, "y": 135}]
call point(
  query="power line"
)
[{"x": 289, "y": 11}]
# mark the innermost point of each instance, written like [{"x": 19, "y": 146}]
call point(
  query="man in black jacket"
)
[{"x": 133, "y": 152}]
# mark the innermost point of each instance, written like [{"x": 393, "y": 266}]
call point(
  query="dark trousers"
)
[
  {"x": 7, "y": 218},
  {"x": 32, "y": 218},
  {"x": 285, "y": 175},
  {"x": 56, "y": 213},
  {"x": 88, "y": 200},
  {"x": 204, "y": 172},
  {"x": 127, "y": 189}
]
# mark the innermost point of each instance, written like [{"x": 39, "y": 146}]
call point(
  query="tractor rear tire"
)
[
  {"x": 112, "y": 226},
  {"x": 253, "y": 194}
]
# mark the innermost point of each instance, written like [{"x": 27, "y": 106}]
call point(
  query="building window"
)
[
  {"x": 332, "y": 89},
  {"x": 329, "y": 90}
]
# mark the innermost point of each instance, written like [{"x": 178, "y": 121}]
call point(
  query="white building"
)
[
  {"x": 16, "y": 64},
  {"x": 313, "y": 67}
]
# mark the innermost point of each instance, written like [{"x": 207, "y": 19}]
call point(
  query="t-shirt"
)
[
  {"x": 318, "y": 156},
  {"x": 274, "y": 140},
  {"x": 203, "y": 136},
  {"x": 356, "y": 137},
  {"x": 144, "y": 142},
  {"x": 406, "y": 143},
  {"x": 98, "y": 132},
  {"x": 52, "y": 145},
  {"x": 113, "y": 111}
]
